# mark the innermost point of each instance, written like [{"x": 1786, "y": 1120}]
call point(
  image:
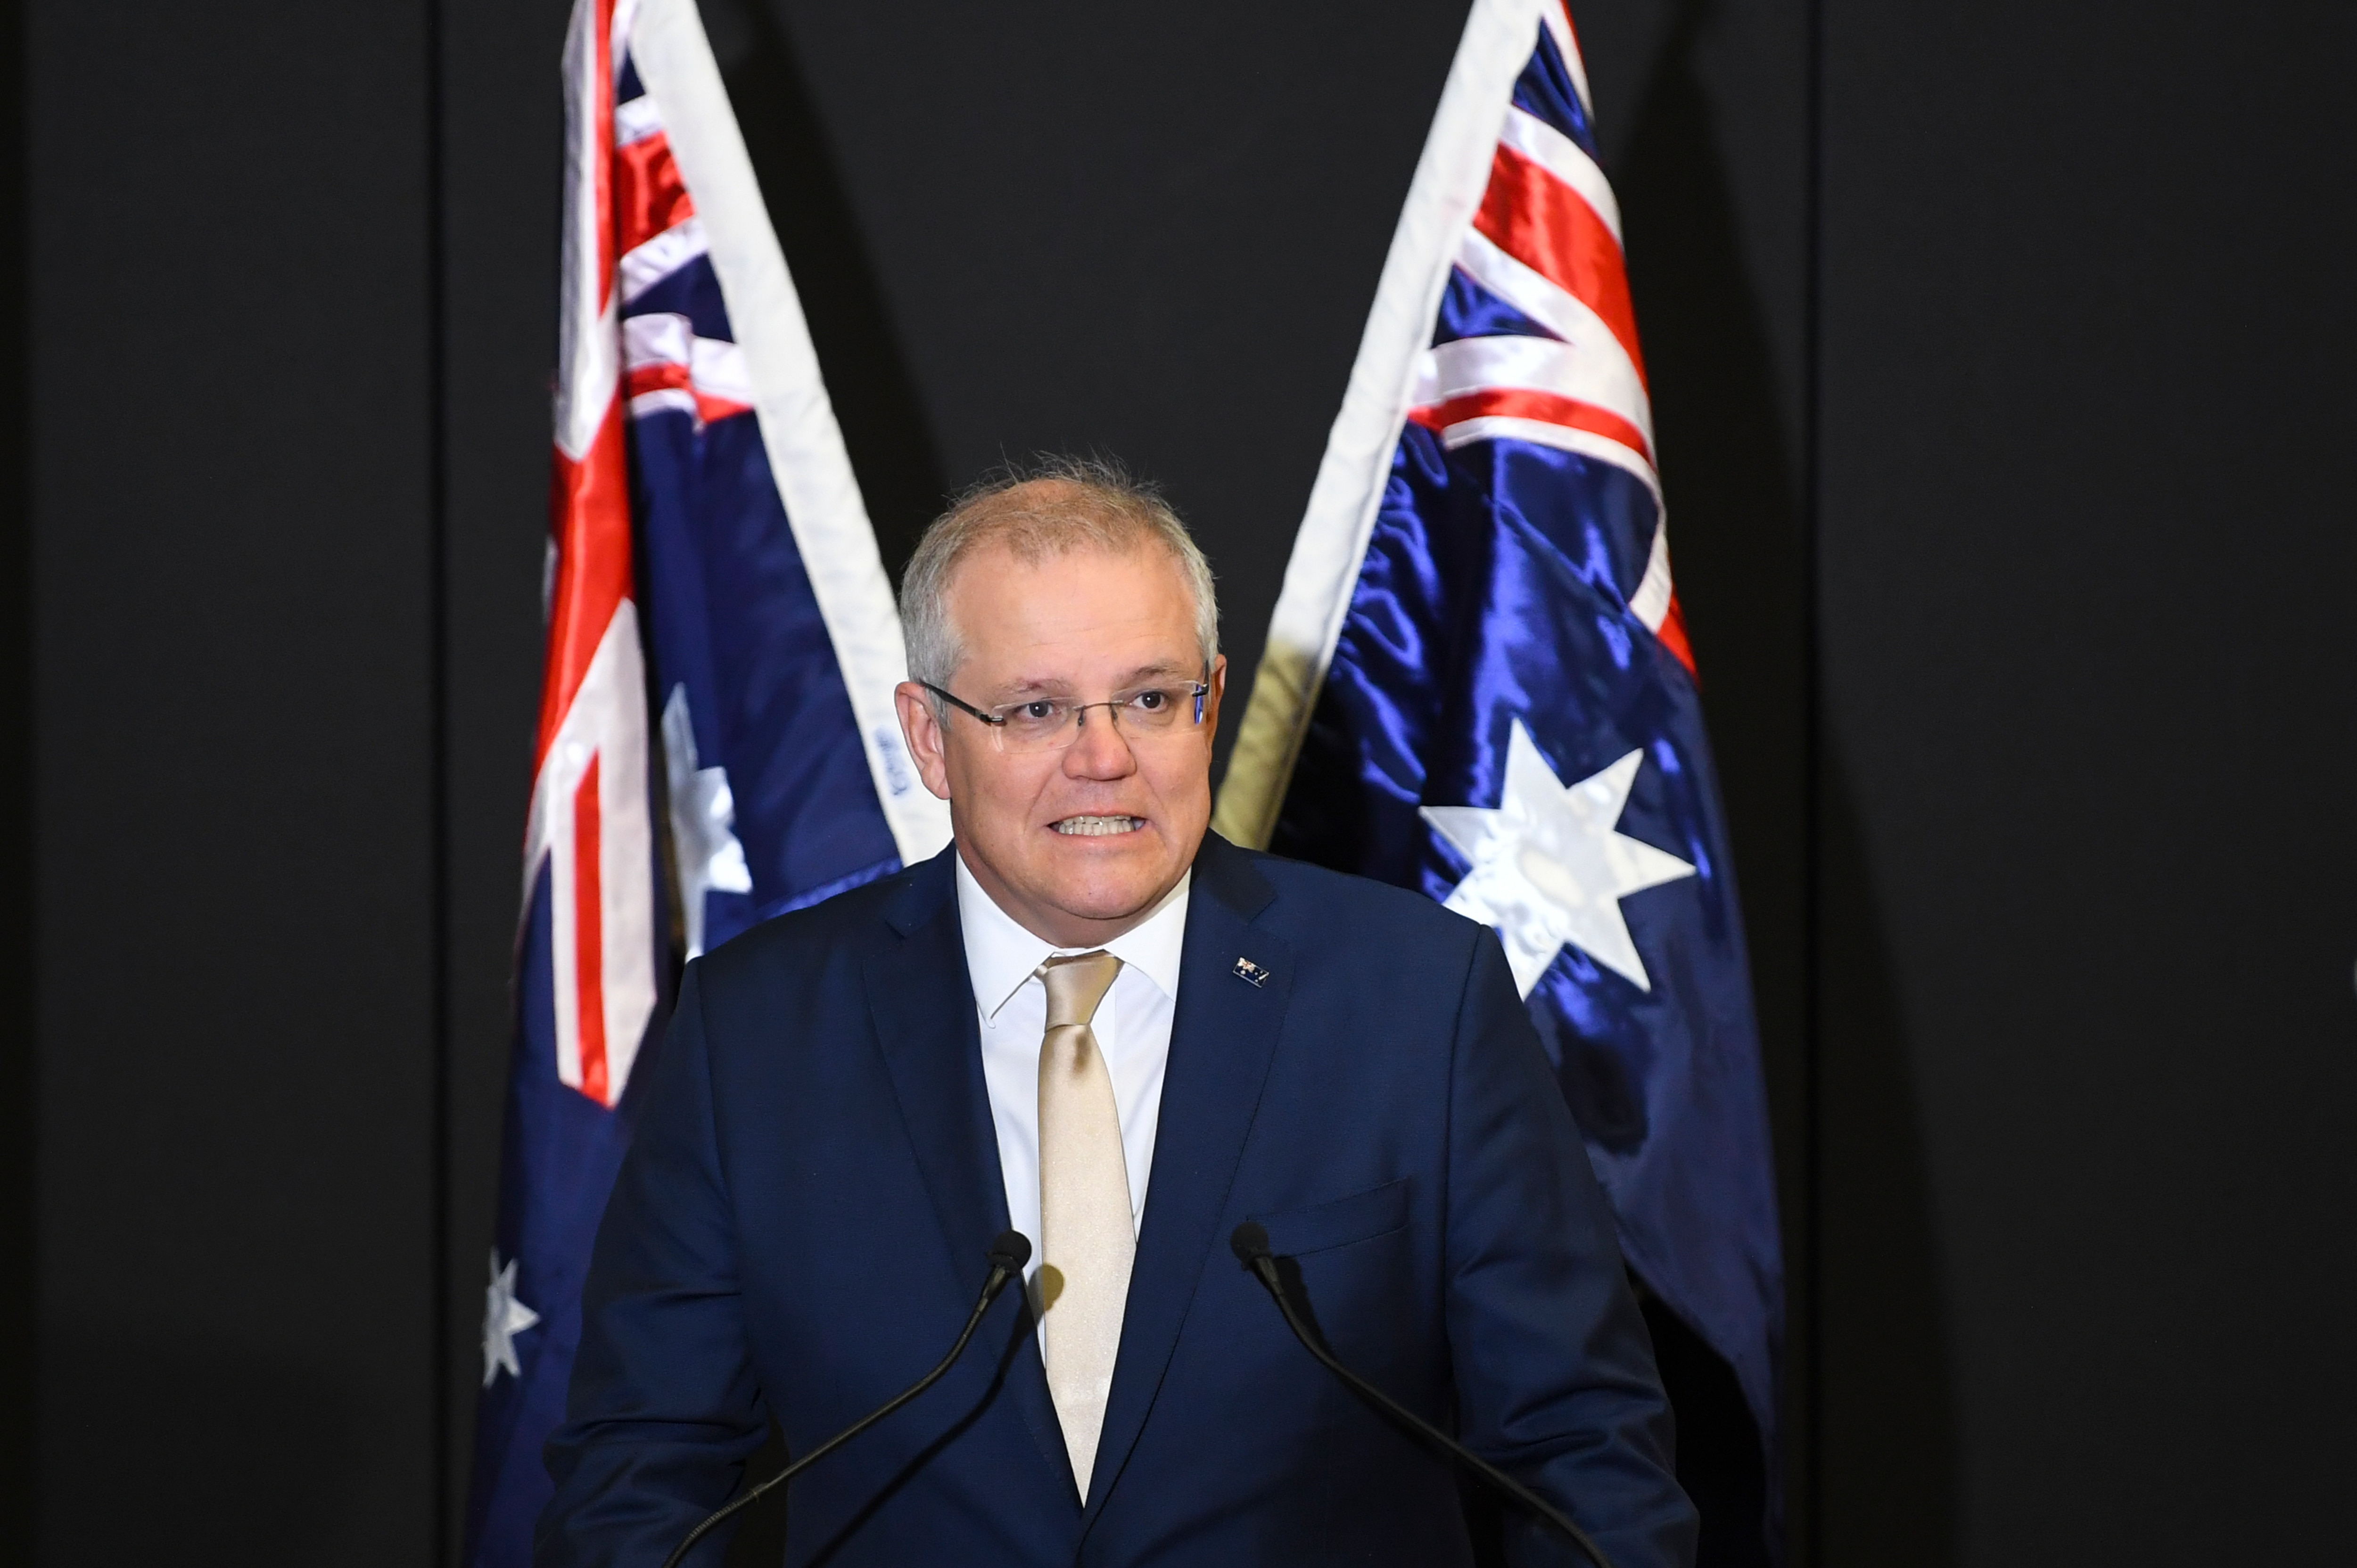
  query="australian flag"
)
[
  {"x": 716, "y": 737},
  {"x": 1478, "y": 684}
]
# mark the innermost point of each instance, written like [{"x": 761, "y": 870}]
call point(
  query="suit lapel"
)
[
  {"x": 1221, "y": 1040},
  {"x": 923, "y": 1006},
  {"x": 922, "y": 1002}
]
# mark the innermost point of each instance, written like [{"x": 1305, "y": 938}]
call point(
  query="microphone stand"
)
[
  {"x": 1007, "y": 1256},
  {"x": 1250, "y": 1243}
]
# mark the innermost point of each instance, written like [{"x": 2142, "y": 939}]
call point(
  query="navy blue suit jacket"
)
[{"x": 799, "y": 1228}]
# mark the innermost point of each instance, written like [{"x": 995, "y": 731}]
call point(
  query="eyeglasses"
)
[{"x": 1051, "y": 724}]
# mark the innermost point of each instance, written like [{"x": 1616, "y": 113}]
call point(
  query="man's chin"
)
[{"x": 1113, "y": 888}]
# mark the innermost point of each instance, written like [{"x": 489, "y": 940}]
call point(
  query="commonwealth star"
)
[{"x": 1549, "y": 865}]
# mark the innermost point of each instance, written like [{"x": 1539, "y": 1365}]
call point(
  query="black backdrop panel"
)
[
  {"x": 502, "y": 114},
  {"x": 19, "y": 1063},
  {"x": 2068, "y": 1153},
  {"x": 2087, "y": 541},
  {"x": 232, "y": 573}
]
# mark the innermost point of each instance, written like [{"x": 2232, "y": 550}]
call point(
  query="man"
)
[{"x": 1092, "y": 1020}]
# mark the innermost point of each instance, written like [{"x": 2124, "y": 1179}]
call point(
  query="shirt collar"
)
[{"x": 1000, "y": 955}]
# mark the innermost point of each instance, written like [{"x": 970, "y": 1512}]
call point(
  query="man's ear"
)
[
  {"x": 1218, "y": 682},
  {"x": 922, "y": 730}
]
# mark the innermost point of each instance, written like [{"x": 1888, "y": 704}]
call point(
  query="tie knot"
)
[{"x": 1076, "y": 984}]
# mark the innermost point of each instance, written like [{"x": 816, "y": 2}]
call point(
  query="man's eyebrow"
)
[
  {"x": 1029, "y": 686},
  {"x": 1159, "y": 670}
]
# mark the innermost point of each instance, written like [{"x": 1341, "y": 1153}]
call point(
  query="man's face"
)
[{"x": 1078, "y": 628}]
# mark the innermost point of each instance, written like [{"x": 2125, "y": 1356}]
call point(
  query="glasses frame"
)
[{"x": 998, "y": 723}]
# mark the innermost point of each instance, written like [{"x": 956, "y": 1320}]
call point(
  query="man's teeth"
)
[{"x": 1096, "y": 826}]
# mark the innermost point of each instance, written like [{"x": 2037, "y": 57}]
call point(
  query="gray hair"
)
[{"x": 1064, "y": 504}]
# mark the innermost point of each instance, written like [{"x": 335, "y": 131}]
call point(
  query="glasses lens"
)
[
  {"x": 1035, "y": 725},
  {"x": 1047, "y": 724},
  {"x": 1156, "y": 708}
]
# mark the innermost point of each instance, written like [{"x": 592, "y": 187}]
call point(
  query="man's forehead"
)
[
  {"x": 1031, "y": 624},
  {"x": 997, "y": 568}
]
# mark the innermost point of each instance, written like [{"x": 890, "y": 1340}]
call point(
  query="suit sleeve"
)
[
  {"x": 664, "y": 1410},
  {"x": 1555, "y": 1369}
]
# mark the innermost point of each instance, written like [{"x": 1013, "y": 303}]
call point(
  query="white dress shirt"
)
[{"x": 1132, "y": 1026}]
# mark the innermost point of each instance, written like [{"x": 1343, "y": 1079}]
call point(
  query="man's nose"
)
[{"x": 1099, "y": 750}]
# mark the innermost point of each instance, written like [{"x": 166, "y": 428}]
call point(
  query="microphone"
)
[
  {"x": 1007, "y": 1256},
  {"x": 1250, "y": 1242}
]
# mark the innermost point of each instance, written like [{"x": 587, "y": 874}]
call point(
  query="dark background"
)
[{"x": 2002, "y": 362}]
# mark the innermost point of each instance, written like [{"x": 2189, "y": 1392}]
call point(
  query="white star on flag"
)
[
  {"x": 504, "y": 1318},
  {"x": 1549, "y": 867},
  {"x": 703, "y": 823}
]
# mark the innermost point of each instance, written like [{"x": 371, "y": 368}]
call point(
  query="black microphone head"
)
[
  {"x": 1010, "y": 1251},
  {"x": 1250, "y": 1242}
]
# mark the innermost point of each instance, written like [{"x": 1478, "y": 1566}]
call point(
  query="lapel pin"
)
[{"x": 1250, "y": 973}]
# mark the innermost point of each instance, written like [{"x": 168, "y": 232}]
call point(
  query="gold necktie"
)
[{"x": 1086, "y": 1239}]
